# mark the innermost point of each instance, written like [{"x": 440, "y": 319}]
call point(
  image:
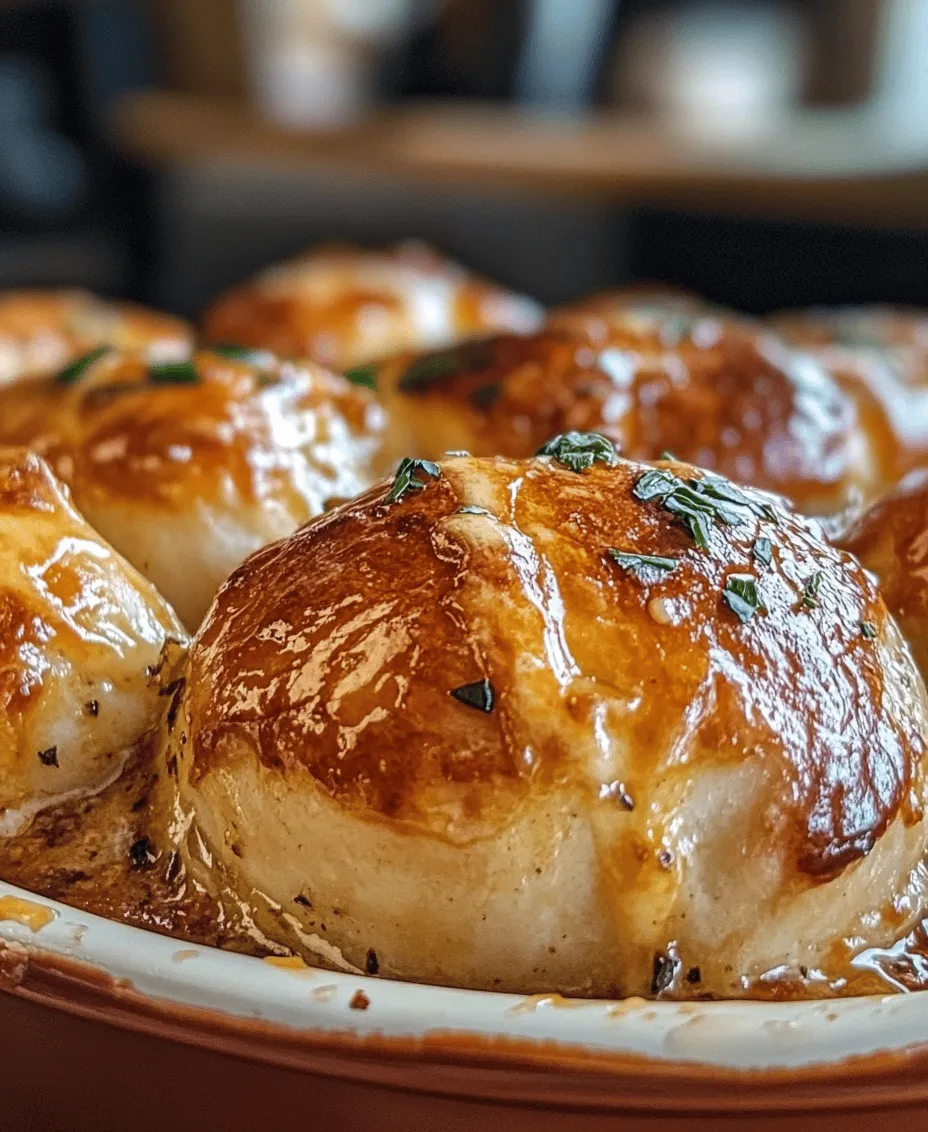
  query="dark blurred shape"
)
[
  {"x": 547, "y": 53},
  {"x": 200, "y": 46},
  {"x": 469, "y": 50},
  {"x": 564, "y": 51},
  {"x": 66, "y": 210},
  {"x": 843, "y": 40},
  {"x": 43, "y": 176},
  {"x": 760, "y": 266}
]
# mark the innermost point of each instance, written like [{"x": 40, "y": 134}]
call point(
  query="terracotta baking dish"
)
[{"x": 111, "y": 1027}]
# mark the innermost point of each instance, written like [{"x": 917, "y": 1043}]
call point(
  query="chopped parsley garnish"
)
[
  {"x": 868, "y": 630},
  {"x": 173, "y": 373},
  {"x": 49, "y": 757},
  {"x": 697, "y": 502},
  {"x": 580, "y": 450},
  {"x": 741, "y": 596},
  {"x": 363, "y": 375},
  {"x": 407, "y": 477},
  {"x": 76, "y": 369},
  {"x": 430, "y": 369},
  {"x": 642, "y": 566},
  {"x": 693, "y": 516},
  {"x": 763, "y": 550},
  {"x": 479, "y": 695},
  {"x": 655, "y": 485},
  {"x": 235, "y": 353},
  {"x": 721, "y": 489},
  {"x": 809, "y": 599}
]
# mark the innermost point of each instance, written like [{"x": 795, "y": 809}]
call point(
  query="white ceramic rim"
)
[{"x": 724, "y": 1035}]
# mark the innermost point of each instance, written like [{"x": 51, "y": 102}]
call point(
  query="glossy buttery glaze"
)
[
  {"x": 657, "y": 311},
  {"x": 81, "y": 634},
  {"x": 188, "y": 471},
  {"x": 718, "y": 393},
  {"x": 880, "y": 356},
  {"x": 41, "y": 331},
  {"x": 891, "y": 539},
  {"x": 662, "y": 799},
  {"x": 345, "y": 306}
]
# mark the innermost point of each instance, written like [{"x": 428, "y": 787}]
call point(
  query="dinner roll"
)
[
  {"x": 345, "y": 306},
  {"x": 875, "y": 327},
  {"x": 567, "y": 724},
  {"x": 659, "y": 313},
  {"x": 891, "y": 539},
  {"x": 711, "y": 391},
  {"x": 81, "y": 641},
  {"x": 187, "y": 468},
  {"x": 880, "y": 356},
  {"x": 42, "y": 331}
]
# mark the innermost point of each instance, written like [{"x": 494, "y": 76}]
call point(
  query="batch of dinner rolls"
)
[{"x": 577, "y": 650}]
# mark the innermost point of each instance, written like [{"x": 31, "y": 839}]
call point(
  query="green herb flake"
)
[
  {"x": 721, "y": 489},
  {"x": 655, "y": 485},
  {"x": 432, "y": 369},
  {"x": 407, "y": 477},
  {"x": 697, "y": 503},
  {"x": 75, "y": 370},
  {"x": 694, "y": 519},
  {"x": 868, "y": 630},
  {"x": 479, "y": 695},
  {"x": 235, "y": 353},
  {"x": 741, "y": 596},
  {"x": 173, "y": 373},
  {"x": 365, "y": 376},
  {"x": 643, "y": 566},
  {"x": 580, "y": 450},
  {"x": 809, "y": 599},
  {"x": 472, "y": 509},
  {"x": 714, "y": 506},
  {"x": 762, "y": 550}
]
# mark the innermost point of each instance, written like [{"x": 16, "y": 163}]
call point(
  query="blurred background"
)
[{"x": 761, "y": 152}]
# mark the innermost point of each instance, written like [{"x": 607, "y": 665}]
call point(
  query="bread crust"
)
[{"x": 679, "y": 778}]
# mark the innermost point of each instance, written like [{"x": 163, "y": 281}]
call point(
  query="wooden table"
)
[{"x": 846, "y": 167}]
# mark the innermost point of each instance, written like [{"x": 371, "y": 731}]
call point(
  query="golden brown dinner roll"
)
[
  {"x": 568, "y": 724},
  {"x": 868, "y": 328},
  {"x": 81, "y": 636},
  {"x": 880, "y": 356},
  {"x": 718, "y": 394},
  {"x": 345, "y": 306},
  {"x": 41, "y": 331},
  {"x": 657, "y": 313},
  {"x": 188, "y": 467},
  {"x": 891, "y": 539}
]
